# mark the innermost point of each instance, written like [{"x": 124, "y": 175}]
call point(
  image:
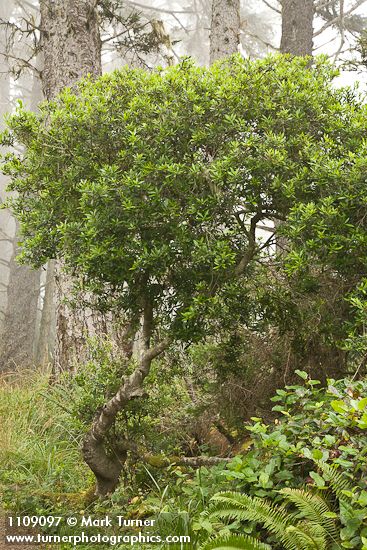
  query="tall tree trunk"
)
[
  {"x": 7, "y": 224},
  {"x": 70, "y": 42},
  {"x": 45, "y": 345},
  {"x": 297, "y": 27},
  {"x": 19, "y": 285},
  {"x": 225, "y": 28},
  {"x": 296, "y": 39},
  {"x": 71, "y": 48},
  {"x": 20, "y": 321}
]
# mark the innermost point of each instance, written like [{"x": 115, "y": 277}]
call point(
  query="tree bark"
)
[
  {"x": 45, "y": 345},
  {"x": 159, "y": 461},
  {"x": 107, "y": 464},
  {"x": 20, "y": 320},
  {"x": 71, "y": 47},
  {"x": 7, "y": 223},
  {"x": 297, "y": 27},
  {"x": 70, "y": 42},
  {"x": 296, "y": 39},
  {"x": 19, "y": 285},
  {"x": 225, "y": 28}
]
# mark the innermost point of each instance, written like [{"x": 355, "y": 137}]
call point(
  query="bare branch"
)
[
  {"x": 160, "y": 10},
  {"x": 22, "y": 62},
  {"x": 159, "y": 461},
  {"x": 277, "y": 10},
  {"x": 341, "y": 29},
  {"x": 337, "y": 19},
  {"x": 323, "y": 4},
  {"x": 267, "y": 44}
]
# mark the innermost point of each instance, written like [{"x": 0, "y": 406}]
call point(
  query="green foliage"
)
[
  {"x": 157, "y": 422},
  {"x": 234, "y": 542},
  {"x": 304, "y": 521},
  {"x": 304, "y": 534},
  {"x": 180, "y": 500},
  {"x": 95, "y": 382},
  {"x": 310, "y": 447},
  {"x": 148, "y": 188},
  {"x": 145, "y": 183},
  {"x": 324, "y": 491},
  {"x": 316, "y": 423},
  {"x": 328, "y": 234},
  {"x": 320, "y": 429},
  {"x": 312, "y": 459}
]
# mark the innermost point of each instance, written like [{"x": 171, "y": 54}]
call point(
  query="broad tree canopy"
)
[{"x": 149, "y": 185}]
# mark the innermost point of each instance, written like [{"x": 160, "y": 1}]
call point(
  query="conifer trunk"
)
[
  {"x": 297, "y": 27},
  {"x": 19, "y": 284},
  {"x": 71, "y": 46},
  {"x": 225, "y": 28},
  {"x": 71, "y": 43}
]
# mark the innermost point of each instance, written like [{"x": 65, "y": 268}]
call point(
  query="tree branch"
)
[
  {"x": 339, "y": 17},
  {"x": 107, "y": 467},
  {"x": 160, "y": 10},
  {"x": 272, "y": 7},
  {"x": 247, "y": 257},
  {"x": 159, "y": 461}
]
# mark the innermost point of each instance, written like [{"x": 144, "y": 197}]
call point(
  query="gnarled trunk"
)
[{"x": 107, "y": 466}]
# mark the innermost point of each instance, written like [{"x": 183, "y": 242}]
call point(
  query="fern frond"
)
[
  {"x": 337, "y": 481},
  {"x": 308, "y": 536},
  {"x": 235, "y": 542},
  {"x": 312, "y": 507},
  {"x": 239, "y": 506}
]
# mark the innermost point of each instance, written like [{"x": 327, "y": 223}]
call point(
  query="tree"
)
[
  {"x": 166, "y": 175},
  {"x": 19, "y": 285},
  {"x": 298, "y": 19},
  {"x": 297, "y": 27},
  {"x": 70, "y": 42},
  {"x": 328, "y": 235},
  {"x": 225, "y": 28},
  {"x": 69, "y": 37},
  {"x": 71, "y": 45},
  {"x": 324, "y": 351}
]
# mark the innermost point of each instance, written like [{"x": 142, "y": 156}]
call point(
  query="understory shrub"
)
[
  {"x": 317, "y": 441},
  {"x": 149, "y": 188}
]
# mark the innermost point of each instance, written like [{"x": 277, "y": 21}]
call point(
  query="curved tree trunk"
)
[
  {"x": 107, "y": 464},
  {"x": 225, "y": 28}
]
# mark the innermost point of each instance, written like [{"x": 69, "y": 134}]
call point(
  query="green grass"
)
[{"x": 39, "y": 452}]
